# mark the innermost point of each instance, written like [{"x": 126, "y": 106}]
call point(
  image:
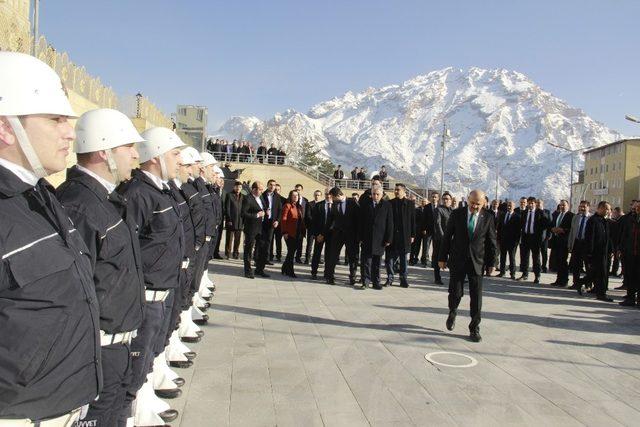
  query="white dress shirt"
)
[{"x": 109, "y": 186}]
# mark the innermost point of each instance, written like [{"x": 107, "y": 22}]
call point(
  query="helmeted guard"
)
[
  {"x": 161, "y": 243},
  {"x": 50, "y": 363},
  {"x": 106, "y": 154}
]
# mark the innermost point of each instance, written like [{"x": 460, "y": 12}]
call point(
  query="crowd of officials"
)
[{"x": 104, "y": 279}]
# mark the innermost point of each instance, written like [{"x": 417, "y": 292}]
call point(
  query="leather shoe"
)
[
  {"x": 387, "y": 283},
  {"x": 262, "y": 274},
  {"x": 314, "y": 277},
  {"x": 217, "y": 256},
  {"x": 190, "y": 355},
  {"x": 190, "y": 339},
  {"x": 523, "y": 277},
  {"x": 513, "y": 277},
  {"x": 182, "y": 364},
  {"x": 203, "y": 321},
  {"x": 269, "y": 263},
  {"x": 621, "y": 288},
  {"x": 404, "y": 285},
  {"x": 627, "y": 302},
  {"x": 580, "y": 289},
  {"x": 179, "y": 381},
  {"x": 249, "y": 275},
  {"x": 352, "y": 281},
  {"x": 475, "y": 336},
  {"x": 168, "y": 415},
  {"x": 604, "y": 297},
  {"x": 451, "y": 321},
  {"x": 331, "y": 282},
  {"x": 536, "y": 280},
  {"x": 377, "y": 287},
  {"x": 500, "y": 274},
  {"x": 438, "y": 282},
  {"x": 168, "y": 394}
]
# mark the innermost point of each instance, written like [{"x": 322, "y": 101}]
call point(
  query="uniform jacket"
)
[
  {"x": 49, "y": 335},
  {"x": 108, "y": 228},
  {"x": 375, "y": 227},
  {"x": 191, "y": 195},
  {"x": 188, "y": 230},
  {"x": 159, "y": 231},
  {"x": 457, "y": 249},
  {"x": 207, "y": 207}
]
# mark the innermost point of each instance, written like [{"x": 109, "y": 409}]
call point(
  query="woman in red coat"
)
[{"x": 292, "y": 226}]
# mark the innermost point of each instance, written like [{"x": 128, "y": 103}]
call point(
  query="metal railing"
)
[{"x": 309, "y": 170}]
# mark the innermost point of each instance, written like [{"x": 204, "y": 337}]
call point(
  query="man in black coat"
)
[
  {"x": 233, "y": 218},
  {"x": 629, "y": 250},
  {"x": 421, "y": 233},
  {"x": 375, "y": 233},
  {"x": 404, "y": 233},
  {"x": 272, "y": 202},
  {"x": 308, "y": 224},
  {"x": 321, "y": 213},
  {"x": 342, "y": 227},
  {"x": 533, "y": 226},
  {"x": 468, "y": 244},
  {"x": 276, "y": 241},
  {"x": 272, "y": 154},
  {"x": 559, "y": 242},
  {"x": 598, "y": 241},
  {"x": 440, "y": 221},
  {"x": 508, "y": 229},
  {"x": 430, "y": 211},
  {"x": 522, "y": 212},
  {"x": 254, "y": 219},
  {"x": 544, "y": 246},
  {"x": 262, "y": 152}
]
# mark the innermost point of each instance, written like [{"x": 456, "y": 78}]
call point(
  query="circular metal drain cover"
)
[{"x": 430, "y": 358}]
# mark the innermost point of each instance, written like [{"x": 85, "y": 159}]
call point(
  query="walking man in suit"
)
[
  {"x": 546, "y": 235},
  {"x": 404, "y": 233},
  {"x": 468, "y": 244},
  {"x": 375, "y": 233},
  {"x": 559, "y": 242},
  {"x": 534, "y": 224},
  {"x": 342, "y": 227},
  {"x": 430, "y": 211},
  {"x": 254, "y": 214},
  {"x": 577, "y": 245},
  {"x": 508, "y": 229},
  {"x": 319, "y": 218}
]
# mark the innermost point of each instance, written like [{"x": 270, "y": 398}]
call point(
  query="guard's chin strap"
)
[
  {"x": 163, "y": 168},
  {"x": 26, "y": 147},
  {"x": 113, "y": 168}
]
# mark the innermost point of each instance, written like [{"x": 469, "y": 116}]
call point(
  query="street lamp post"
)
[
  {"x": 571, "y": 153},
  {"x": 138, "y": 101},
  {"x": 445, "y": 135},
  {"x": 36, "y": 23}
]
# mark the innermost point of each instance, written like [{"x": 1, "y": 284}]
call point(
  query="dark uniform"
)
[
  {"x": 218, "y": 220},
  {"x": 49, "y": 339},
  {"x": 109, "y": 231},
  {"x": 162, "y": 248},
  {"x": 208, "y": 212}
]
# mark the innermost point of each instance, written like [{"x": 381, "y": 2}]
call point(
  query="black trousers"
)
[
  {"x": 559, "y": 260},
  {"x": 307, "y": 252},
  {"x": 544, "y": 253},
  {"x": 260, "y": 243},
  {"x": 391, "y": 257},
  {"x": 416, "y": 246},
  {"x": 232, "y": 240},
  {"x": 599, "y": 273},
  {"x": 317, "y": 253},
  {"x": 426, "y": 242},
  {"x": 110, "y": 409},
  {"x": 142, "y": 348},
  {"x": 201, "y": 264},
  {"x": 511, "y": 253},
  {"x": 292, "y": 246},
  {"x": 218, "y": 237},
  {"x": 531, "y": 245},
  {"x": 332, "y": 255},
  {"x": 167, "y": 308},
  {"x": 577, "y": 262},
  {"x": 632, "y": 275},
  {"x": 456, "y": 291},
  {"x": 434, "y": 260},
  {"x": 275, "y": 239},
  {"x": 370, "y": 268}
]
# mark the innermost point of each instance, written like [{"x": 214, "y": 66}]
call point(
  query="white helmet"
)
[
  {"x": 103, "y": 129},
  {"x": 29, "y": 86},
  {"x": 190, "y": 156},
  {"x": 217, "y": 170},
  {"x": 157, "y": 141},
  {"x": 208, "y": 159}
]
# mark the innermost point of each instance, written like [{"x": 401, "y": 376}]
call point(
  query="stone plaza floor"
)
[{"x": 299, "y": 352}]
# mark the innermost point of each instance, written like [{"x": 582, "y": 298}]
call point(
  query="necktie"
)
[
  {"x": 471, "y": 224},
  {"x": 560, "y": 219},
  {"x": 506, "y": 219},
  {"x": 581, "y": 230},
  {"x": 530, "y": 222},
  {"x": 342, "y": 207}
]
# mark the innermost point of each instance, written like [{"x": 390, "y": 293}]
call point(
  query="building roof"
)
[{"x": 620, "y": 141}]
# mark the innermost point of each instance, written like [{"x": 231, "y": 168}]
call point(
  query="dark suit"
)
[
  {"x": 544, "y": 246},
  {"x": 254, "y": 234},
  {"x": 342, "y": 227},
  {"x": 559, "y": 244},
  {"x": 440, "y": 221},
  {"x": 628, "y": 242},
  {"x": 533, "y": 229},
  {"x": 508, "y": 229},
  {"x": 306, "y": 215},
  {"x": 233, "y": 226},
  {"x": 420, "y": 237},
  {"x": 466, "y": 257},
  {"x": 598, "y": 242},
  {"x": 404, "y": 230},
  {"x": 429, "y": 217},
  {"x": 276, "y": 211},
  {"x": 375, "y": 228},
  {"x": 318, "y": 225},
  {"x": 522, "y": 213}
]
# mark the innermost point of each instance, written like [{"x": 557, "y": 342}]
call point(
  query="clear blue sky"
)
[{"x": 263, "y": 56}]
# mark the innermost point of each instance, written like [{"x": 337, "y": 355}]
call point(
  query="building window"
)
[
  {"x": 182, "y": 111},
  {"x": 199, "y": 115}
]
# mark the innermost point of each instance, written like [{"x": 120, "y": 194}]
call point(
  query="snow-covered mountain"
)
[{"x": 500, "y": 122}]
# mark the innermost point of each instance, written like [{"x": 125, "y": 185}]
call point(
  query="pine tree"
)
[{"x": 309, "y": 154}]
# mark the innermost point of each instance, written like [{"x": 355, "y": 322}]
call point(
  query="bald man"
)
[{"x": 469, "y": 243}]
